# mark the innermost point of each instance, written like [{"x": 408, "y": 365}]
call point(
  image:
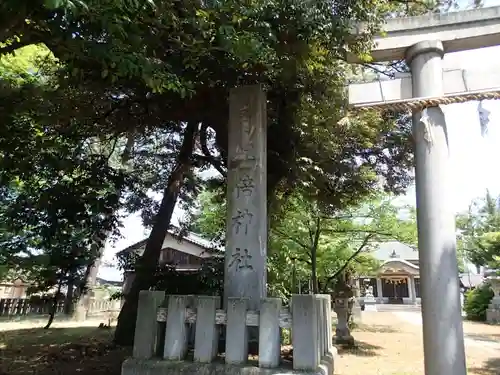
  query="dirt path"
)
[
  {"x": 475, "y": 334},
  {"x": 391, "y": 345}
]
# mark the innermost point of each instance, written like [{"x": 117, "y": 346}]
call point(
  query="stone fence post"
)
[
  {"x": 146, "y": 325},
  {"x": 305, "y": 341}
]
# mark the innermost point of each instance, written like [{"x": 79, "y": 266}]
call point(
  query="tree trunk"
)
[
  {"x": 82, "y": 297},
  {"x": 314, "y": 274},
  {"x": 53, "y": 307},
  {"x": 69, "y": 301},
  {"x": 85, "y": 291},
  {"x": 314, "y": 257},
  {"x": 148, "y": 262}
]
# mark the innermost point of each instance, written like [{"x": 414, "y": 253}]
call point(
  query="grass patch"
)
[{"x": 64, "y": 351}]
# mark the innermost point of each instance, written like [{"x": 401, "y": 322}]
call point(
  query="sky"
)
[{"x": 474, "y": 158}]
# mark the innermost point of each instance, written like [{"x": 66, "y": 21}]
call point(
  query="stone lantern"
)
[
  {"x": 493, "y": 311},
  {"x": 343, "y": 304}
]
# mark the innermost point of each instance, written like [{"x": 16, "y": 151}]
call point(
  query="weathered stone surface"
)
[
  {"x": 459, "y": 31},
  {"x": 269, "y": 333},
  {"x": 246, "y": 239},
  {"x": 146, "y": 326},
  {"x": 305, "y": 338},
  {"x": 207, "y": 334},
  {"x": 176, "y": 333},
  {"x": 441, "y": 310},
  {"x": 134, "y": 366},
  {"x": 493, "y": 315},
  {"x": 236, "y": 331},
  {"x": 342, "y": 332}
]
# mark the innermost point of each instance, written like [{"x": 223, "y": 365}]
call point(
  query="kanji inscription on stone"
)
[
  {"x": 242, "y": 160},
  {"x": 245, "y": 186},
  {"x": 241, "y": 259},
  {"x": 242, "y": 220},
  {"x": 247, "y": 130},
  {"x": 244, "y": 147}
]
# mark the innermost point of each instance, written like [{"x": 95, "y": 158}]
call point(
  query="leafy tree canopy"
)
[
  {"x": 305, "y": 238},
  {"x": 479, "y": 229}
]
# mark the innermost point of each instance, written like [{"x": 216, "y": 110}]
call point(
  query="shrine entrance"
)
[
  {"x": 395, "y": 288},
  {"x": 398, "y": 281}
]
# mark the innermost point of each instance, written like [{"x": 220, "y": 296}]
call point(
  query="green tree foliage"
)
[
  {"x": 479, "y": 238},
  {"x": 140, "y": 71},
  {"x": 318, "y": 245},
  {"x": 477, "y": 301},
  {"x": 58, "y": 197}
]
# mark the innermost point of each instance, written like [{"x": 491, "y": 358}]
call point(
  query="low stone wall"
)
[{"x": 163, "y": 330}]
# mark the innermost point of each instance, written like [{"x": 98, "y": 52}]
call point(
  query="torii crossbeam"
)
[{"x": 422, "y": 42}]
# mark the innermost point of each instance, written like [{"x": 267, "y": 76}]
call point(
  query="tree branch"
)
[
  {"x": 298, "y": 242},
  {"x": 10, "y": 48},
  {"x": 369, "y": 231},
  {"x": 354, "y": 255},
  {"x": 125, "y": 157},
  {"x": 216, "y": 163}
]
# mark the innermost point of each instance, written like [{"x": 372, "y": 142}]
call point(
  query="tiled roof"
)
[
  {"x": 470, "y": 280},
  {"x": 191, "y": 237},
  {"x": 394, "y": 249}
]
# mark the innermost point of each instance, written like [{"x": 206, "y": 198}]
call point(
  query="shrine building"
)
[{"x": 397, "y": 280}]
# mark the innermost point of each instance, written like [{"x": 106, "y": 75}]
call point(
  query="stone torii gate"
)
[{"x": 422, "y": 42}]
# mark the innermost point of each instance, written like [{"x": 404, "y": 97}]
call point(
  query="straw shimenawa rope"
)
[{"x": 419, "y": 104}]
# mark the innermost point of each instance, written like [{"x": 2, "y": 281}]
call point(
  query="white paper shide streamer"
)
[
  {"x": 484, "y": 118},
  {"x": 425, "y": 120}
]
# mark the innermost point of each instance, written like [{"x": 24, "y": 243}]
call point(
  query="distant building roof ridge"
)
[
  {"x": 191, "y": 237},
  {"x": 385, "y": 250}
]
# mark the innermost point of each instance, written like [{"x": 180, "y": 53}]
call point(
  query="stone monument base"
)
[
  {"x": 356, "y": 312},
  {"x": 370, "y": 304},
  {"x": 134, "y": 366},
  {"x": 493, "y": 314}
]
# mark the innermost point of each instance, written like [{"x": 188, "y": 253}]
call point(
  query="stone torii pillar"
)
[{"x": 422, "y": 42}]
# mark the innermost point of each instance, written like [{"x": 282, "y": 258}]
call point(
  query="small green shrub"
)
[
  {"x": 285, "y": 336},
  {"x": 477, "y": 301}
]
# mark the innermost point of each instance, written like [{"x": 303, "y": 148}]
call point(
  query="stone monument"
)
[
  {"x": 245, "y": 273},
  {"x": 162, "y": 337},
  {"x": 246, "y": 235},
  {"x": 369, "y": 300}
]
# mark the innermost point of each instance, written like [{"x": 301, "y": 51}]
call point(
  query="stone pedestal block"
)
[
  {"x": 370, "y": 304},
  {"x": 146, "y": 325},
  {"x": 493, "y": 315},
  {"x": 134, "y": 366}
]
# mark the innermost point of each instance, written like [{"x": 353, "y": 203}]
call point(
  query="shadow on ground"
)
[
  {"x": 491, "y": 367},
  {"x": 375, "y": 328},
  {"x": 490, "y": 337},
  {"x": 360, "y": 349},
  {"x": 62, "y": 351}
]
